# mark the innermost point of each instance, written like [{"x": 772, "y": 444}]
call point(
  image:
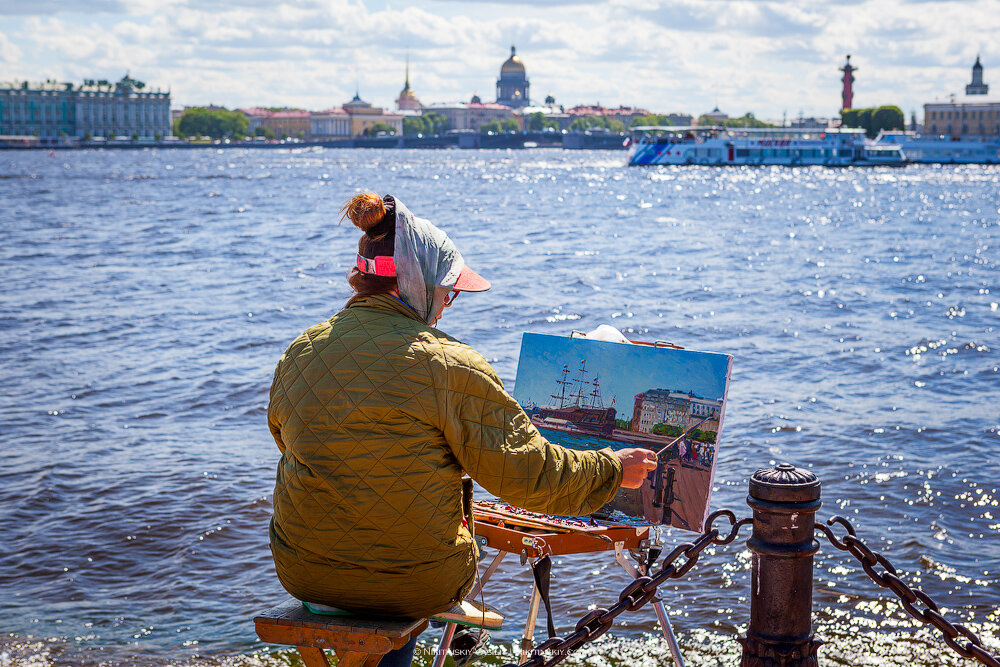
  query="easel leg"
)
[
  {"x": 668, "y": 632},
  {"x": 528, "y": 640},
  {"x": 494, "y": 564},
  {"x": 661, "y": 613},
  {"x": 442, "y": 649}
]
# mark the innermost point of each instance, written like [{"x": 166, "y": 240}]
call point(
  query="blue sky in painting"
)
[{"x": 624, "y": 370}]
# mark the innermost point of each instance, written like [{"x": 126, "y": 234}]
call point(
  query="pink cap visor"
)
[
  {"x": 470, "y": 281},
  {"x": 385, "y": 266}
]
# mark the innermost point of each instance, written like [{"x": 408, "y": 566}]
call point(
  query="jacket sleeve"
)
[
  {"x": 498, "y": 446},
  {"x": 273, "y": 422}
]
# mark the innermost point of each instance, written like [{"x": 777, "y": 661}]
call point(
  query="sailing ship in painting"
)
[{"x": 581, "y": 411}]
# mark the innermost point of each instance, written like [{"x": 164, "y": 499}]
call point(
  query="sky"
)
[
  {"x": 772, "y": 58},
  {"x": 624, "y": 370}
]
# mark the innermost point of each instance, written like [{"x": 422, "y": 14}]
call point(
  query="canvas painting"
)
[{"x": 589, "y": 394}]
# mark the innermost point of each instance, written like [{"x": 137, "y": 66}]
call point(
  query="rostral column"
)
[{"x": 848, "y": 94}]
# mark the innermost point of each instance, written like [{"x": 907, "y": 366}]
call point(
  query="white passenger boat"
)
[
  {"x": 662, "y": 145},
  {"x": 941, "y": 149}
]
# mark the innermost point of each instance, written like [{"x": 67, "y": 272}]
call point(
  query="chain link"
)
[
  {"x": 637, "y": 594},
  {"x": 930, "y": 614}
]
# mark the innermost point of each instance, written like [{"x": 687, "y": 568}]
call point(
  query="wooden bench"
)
[{"x": 357, "y": 641}]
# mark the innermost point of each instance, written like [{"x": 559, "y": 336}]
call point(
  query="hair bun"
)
[{"x": 365, "y": 210}]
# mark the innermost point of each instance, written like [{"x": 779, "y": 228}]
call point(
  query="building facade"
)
[
  {"x": 330, "y": 124},
  {"x": 350, "y": 120},
  {"x": 963, "y": 120},
  {"x": 44, "y": 110},
  {"x": 624, "y": 115},
  {"x": 288, "y": 124},
  {"x": 470, "y": 116},
  {"x": 94, "y": 108},
  {"x": 969, "y": 118},
  {"x": 512, "y": 86},
  {"x": 364, "y": 117}
]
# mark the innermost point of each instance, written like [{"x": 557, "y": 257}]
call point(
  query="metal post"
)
[
  {"x": 784, "y": 501},
  {"x": 442, "y": 650}
]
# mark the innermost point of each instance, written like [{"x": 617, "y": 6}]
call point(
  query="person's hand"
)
[{"x": 636, "y": 464}]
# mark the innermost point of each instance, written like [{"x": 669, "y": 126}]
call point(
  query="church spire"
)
[
  {"x": 977, "y": 87},
  {"x": 407, "y": 101}
]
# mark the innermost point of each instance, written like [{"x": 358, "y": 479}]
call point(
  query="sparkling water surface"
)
[{"x": 148, "y": 294}]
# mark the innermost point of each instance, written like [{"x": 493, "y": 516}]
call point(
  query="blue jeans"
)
[{"x": 401, "y": 657}]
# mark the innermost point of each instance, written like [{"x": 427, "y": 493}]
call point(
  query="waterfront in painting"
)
[{"x": 148, "y": 295}]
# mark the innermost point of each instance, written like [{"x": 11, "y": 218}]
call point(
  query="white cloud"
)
[
  {"x": 9, "y": 52},
  {"x": 667, "y": 55}
]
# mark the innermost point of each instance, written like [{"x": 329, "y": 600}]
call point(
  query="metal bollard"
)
[{"x": 784, "y": 500}]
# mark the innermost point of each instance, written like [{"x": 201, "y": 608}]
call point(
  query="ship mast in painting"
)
[{"x": 582, "y": 410}]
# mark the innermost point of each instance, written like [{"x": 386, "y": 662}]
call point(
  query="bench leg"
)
[{"x": 313, "y": 657}]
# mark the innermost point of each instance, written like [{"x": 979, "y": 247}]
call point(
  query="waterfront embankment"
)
[
  {"x": 467, "y": 140},
  {"x": 148, "y": 296}
]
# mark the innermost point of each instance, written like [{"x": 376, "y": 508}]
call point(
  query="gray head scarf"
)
[{"x": 427, "y": 263}]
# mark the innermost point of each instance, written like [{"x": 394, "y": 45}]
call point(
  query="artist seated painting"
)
[{"x": 378, "y": 416}]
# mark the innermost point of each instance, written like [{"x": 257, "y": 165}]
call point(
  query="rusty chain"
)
[
  {"x": 930, "y": 615},
  {"x": 635, "y": 595}
]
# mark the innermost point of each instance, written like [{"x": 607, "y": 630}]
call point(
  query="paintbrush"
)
[{"x": 681, "y": 436}]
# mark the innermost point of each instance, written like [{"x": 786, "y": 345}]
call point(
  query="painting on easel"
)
[{"x": 591, "y": 394}]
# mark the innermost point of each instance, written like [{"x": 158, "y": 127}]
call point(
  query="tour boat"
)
[
  {"x": 941, "y": 149},
  {"x": 664, "y": 145}
]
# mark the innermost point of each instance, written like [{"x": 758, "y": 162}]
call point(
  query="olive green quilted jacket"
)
[{"x": 377, "y": 417}]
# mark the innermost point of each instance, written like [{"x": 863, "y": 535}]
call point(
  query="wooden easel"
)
[{"x": 533, "y": 538}]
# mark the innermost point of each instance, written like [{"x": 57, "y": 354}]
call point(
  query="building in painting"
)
[
  {"x": 674, "y": 408},
  {"x": 512, "y": 86},
  {"x": 94, "y": 108}
]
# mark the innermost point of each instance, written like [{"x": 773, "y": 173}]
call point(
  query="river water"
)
[{"x": 148, "y": 294}]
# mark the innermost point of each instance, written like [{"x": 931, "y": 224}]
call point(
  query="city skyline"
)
[{"x": 771, "y": 58}]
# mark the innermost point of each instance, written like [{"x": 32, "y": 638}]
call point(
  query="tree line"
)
[
  {"x": 214, "y": 123},
  {"x": 224, "y": 124},
  {"x": 874, "y": 119}
]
